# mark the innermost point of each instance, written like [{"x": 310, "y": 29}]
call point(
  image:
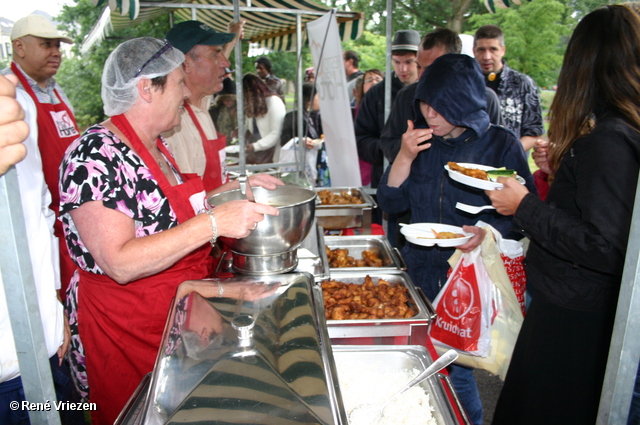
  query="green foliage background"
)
[{"x": 536, "y": 34}]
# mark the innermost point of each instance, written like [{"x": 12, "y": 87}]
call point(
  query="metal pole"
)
[
  {"x": 624, "y": 351},
  {"x": 22, "y": 303},
  {"x": 240, "y": 95},
  {"x": 300, "y": 103}
]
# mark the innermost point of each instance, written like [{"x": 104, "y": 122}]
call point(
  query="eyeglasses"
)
[{"x": 166, "y": 46}]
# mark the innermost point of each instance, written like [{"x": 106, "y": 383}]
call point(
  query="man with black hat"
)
[
  {"x": 370, "y": 119},
  {"x": 36, "y": 59},
  {"x": 196, "y": 145}
]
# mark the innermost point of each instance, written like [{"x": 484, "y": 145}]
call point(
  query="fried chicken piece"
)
[{"x": 471, "y": 172}]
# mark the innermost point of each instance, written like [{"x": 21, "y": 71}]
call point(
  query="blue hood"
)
[{"x": 454, "y": 86}]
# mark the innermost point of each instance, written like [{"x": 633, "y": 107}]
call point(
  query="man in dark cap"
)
[
  {"x": 370, "y": 119},
  {"x": 195, "y": 143}
]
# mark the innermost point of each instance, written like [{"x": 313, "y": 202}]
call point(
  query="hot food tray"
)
[
  {"x": 346, "y": 216},
  {"x": 411, "y": 330},
  {"x": 355, "y": 362},
  {"x": 378, "y": 244}
]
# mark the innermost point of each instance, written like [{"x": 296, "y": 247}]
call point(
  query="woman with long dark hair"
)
[
  {"x": 579, "y": 234},
  {"x": 264, "y": 112}
]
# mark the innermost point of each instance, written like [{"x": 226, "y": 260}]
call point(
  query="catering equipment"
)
[
  {"x": 346, "y": 216},
  {"x": 413, "y": 330},
  {"x": 311, "y": 255},
  {"x": 257, "y": 354},
  {"x": 378, "y": 244},
  {"x": 271, "y": 247},
  {"x": 397, "y": 358}
]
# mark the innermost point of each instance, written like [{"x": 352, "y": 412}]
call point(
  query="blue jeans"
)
[
  {"x": 65, "y": 391},
  {"x": 465, "y": 385}
]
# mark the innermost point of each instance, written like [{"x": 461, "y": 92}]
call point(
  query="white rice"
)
[{"x": 373, "y": 384}]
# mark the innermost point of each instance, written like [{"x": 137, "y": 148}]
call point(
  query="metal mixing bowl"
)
[{"x": 275, "y": 234}]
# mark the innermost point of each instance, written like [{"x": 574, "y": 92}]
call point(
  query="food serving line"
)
[{"x": 262, "y": 349}]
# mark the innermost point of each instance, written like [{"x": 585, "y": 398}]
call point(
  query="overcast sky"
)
[{"x": 20, "y": 8}]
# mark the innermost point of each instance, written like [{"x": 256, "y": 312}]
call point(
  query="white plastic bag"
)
[{"x": 290, "y": 153}]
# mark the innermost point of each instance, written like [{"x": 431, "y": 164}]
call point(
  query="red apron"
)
[
  {"x": 215, "y": 172},
  {"x": 121, "y": 325},
  {"x": 57, "y": 129}
]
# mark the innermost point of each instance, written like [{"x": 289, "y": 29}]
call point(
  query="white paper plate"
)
[
  {"x": 421, "y": 234},
  {"x": 232, "y": 149},
  {"x": 474, "y": 182},
  {"x": 317, "y": 142}
]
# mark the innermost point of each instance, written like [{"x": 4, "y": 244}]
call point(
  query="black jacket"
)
[
  {"x": 403, "y": 110},
  {"x": 369, "y": 123},
  {"x": 579, "y": 236}
]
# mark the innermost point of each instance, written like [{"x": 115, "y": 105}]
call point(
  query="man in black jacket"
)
[{"x": 370, "y": 119}]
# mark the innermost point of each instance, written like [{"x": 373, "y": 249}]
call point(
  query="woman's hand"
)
[
  {"x": 413, "y": 141},
  {"x": 476, "y": 239},
  {"x": 541, "y": 155},
  {"x": 265, "y": 180},
  {"x": 507, "y": 199},
  {"x": 236, "y": 219}
]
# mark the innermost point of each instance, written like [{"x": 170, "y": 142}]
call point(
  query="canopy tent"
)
[{"x": 271, "y": 23}]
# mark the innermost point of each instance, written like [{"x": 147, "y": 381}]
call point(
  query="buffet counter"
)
[{"x": 264, "y": 352}]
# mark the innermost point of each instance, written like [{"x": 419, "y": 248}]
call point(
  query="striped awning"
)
[
  {"x": 271, "y": 23},
  {"x": 501, "y": 4}
]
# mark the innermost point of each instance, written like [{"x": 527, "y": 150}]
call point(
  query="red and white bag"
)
[
  {"x": 463, "y": 307},
  {"x": 502, "y": 308},
  {"x": 512, "y": 254}
]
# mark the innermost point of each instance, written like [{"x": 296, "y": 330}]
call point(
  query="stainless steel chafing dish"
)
[
  {"x": 335, "y": 217},
  {"x": 259, "y": 353},
  {"x": 412, "y": 331},
  {"x": 378, "y": 244},
  {"x": 406, "y": 357}
]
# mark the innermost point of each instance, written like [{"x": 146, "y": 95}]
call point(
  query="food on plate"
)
[
  {"x": 501, "y": 172},
  {"x": 340, "y": 257},
  {"x": 447, "y": 235},
  {"x": 491, "y": 175},
  {"x": 333, "y": 198},
  {"x": 361, "y": 383},
  {"x": 471, "y": 172},
  {"x": 382, "y": 300}
]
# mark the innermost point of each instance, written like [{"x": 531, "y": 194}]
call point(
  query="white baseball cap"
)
[{"x": 37, "y": 26}]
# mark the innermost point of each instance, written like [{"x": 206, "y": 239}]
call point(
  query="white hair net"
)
[{"x": 119, "y": 80}]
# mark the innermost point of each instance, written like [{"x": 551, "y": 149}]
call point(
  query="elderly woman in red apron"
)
[{"x": 136, "y": 226}]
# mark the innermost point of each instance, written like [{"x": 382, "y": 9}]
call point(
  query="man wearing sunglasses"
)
[
  {"x": 36, "y": 60},
  {"x": 195, "y": 143}
]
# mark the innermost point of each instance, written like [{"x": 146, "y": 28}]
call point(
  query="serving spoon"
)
[
  {"x": 372, "y": 413},
  {"x": 245, "y": 187}
]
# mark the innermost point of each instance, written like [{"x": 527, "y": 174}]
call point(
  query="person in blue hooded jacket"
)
[{"x": 452, "y": 125}]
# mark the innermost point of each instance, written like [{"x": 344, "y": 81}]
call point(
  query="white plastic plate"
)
[
  {"x": 474, "y": 182},
  {"x": 422, "y": 234}
]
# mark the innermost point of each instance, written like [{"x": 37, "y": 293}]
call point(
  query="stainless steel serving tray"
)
[
  {"x": 414, "y": 329},
  {"x": 335, "y": 217},
  {"x": 256, "y": 351},
  {"x": 401, "y": 357},
  {"x": 379, "y": 244}
]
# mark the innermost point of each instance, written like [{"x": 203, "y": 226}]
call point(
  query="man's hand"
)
[{"x": 13, "y": 130}]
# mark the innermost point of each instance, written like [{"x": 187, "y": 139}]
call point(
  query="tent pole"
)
[
  {"x": 240, "y": 94},
  {"x": 300, "y": 101}
]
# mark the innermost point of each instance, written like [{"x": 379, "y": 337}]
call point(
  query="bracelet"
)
[
  {"x": 214, "y": 227},
  {"x": 220, "y": 290}
]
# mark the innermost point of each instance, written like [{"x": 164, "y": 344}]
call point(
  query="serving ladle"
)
[
  {"x": 245, "y": 187},
  {"x": 372, "y": 413}
]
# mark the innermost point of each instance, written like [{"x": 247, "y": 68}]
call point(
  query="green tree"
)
[
  {"x": 80, "y": 75},
  {"x": 371, "y": 48},
  {"x": 535, "y": 37}
]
